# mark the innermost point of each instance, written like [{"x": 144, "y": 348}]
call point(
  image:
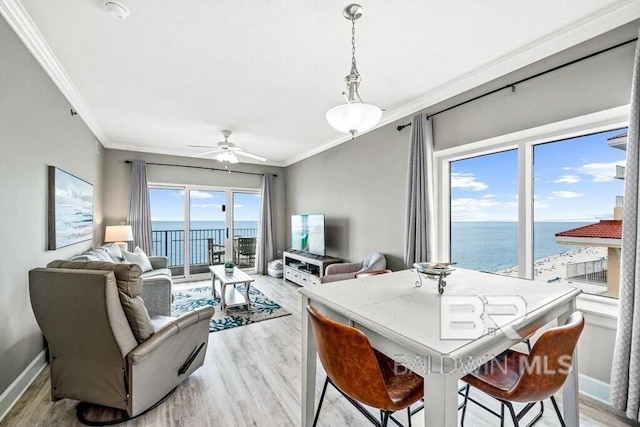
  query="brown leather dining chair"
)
[
  {"x": 528, "y": 378},
  {"x": 362, "y": 374}
]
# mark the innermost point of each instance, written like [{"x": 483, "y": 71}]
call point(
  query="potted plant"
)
[{"x": 228, "y": 266}]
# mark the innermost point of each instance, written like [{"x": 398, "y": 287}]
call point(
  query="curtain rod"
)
[
  {"x": 512, "y": 86},
  {"x": 201, "y": 167}
]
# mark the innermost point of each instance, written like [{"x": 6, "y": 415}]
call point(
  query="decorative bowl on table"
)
[{"x": 435, "y": 268}]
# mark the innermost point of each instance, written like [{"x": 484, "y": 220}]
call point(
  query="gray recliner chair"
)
[
  {"x": 346, "y": 270},
  {"x": 104, "y": 348}
]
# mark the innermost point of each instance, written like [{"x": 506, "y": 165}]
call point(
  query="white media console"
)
[{"x": 304, "y": 268}]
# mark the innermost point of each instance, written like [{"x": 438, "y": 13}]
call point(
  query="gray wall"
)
[
  {"x": 36, "y": 130},
  {"x": 360, "y": 187},
  {"x": 118, "y": 174}
]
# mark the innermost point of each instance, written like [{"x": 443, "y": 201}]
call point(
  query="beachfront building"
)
[{"x": 607, "y": 233}]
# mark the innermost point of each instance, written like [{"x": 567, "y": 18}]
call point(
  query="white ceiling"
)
[{"x": 176, "y": 73}]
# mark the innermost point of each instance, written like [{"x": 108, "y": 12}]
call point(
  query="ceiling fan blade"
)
[
  {"x": 251, "y": 155},
  {"x": 206, "y": 152}
]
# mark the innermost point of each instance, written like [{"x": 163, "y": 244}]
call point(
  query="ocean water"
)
[{"x": 493, "y": 246}]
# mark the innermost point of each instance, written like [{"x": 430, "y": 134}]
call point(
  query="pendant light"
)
[{"x": 355, "y": 116}]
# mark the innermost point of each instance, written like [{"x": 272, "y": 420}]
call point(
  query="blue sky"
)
[
  {"x": 573, "y": 181},
  {"x": 168, "y": 205}
]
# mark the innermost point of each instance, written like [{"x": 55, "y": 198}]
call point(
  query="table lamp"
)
[{"x": 119, "y": 234}]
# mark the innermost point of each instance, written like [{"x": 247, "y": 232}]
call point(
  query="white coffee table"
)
[{"x": 229, "y": 295}]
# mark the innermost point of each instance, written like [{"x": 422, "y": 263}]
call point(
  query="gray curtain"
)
[
  {"x": 625, "y": 372},
  {"x": 266, "y": 243},
  {"x": 420, "y": 224},
  {"x": 139, "y": 216}
]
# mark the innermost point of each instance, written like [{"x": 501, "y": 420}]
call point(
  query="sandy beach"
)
[{"x": 555, "y": 266}]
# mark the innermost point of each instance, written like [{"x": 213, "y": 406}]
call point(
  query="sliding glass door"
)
[
  {"x": 246, "y": 214},
  {"x": 195, "y": 227},
  {"x": 207, "y": 229}
]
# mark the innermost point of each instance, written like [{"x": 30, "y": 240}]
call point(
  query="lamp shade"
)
[
  {"x": 354, "y": 117},
  {"x": 227, "y": 156},
  {"x": 118, "y": 233}
]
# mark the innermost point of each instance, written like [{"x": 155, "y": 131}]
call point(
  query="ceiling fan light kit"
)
[
  {"x": 227, "y": 151},
  {"x": 116, "y": 9},
  {"x": 355, "y": 116}
]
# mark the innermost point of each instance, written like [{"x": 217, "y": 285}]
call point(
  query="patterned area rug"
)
[{"x": 262, "y": 308}]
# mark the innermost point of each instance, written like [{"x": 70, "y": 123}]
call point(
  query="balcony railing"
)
[
  {"x": 619, "y": 172},
  {"x": 594, "y": 272},
  {"x": 170, "y": 243}
]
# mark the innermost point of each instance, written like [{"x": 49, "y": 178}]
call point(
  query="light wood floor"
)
[{"x": 251, "y": 377}]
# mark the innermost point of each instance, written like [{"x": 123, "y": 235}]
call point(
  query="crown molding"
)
[
  {"x": 606, "y": 19},
  {"x": 17, "y": 17}
]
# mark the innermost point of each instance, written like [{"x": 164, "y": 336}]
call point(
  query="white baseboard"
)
[
  {"x": 20, "y": 385},
  {"x": 594, "y": 388}
]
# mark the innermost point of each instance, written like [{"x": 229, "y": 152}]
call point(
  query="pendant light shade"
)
[{"x": 354, "y": 117}]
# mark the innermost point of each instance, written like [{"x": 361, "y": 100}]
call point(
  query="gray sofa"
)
[{"x": 156, "y": 283}]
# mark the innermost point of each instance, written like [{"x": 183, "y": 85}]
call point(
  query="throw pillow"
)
[
  {"x": 137, "y": 316},
  {"x": 138, "y": 257},
  {"x": 114, "y": 251}
]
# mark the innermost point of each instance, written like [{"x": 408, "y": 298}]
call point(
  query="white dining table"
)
[{"x": 440, "y": 337}]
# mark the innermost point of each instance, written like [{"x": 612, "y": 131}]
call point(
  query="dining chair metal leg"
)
[
  {"x": 324, "y": 390},
  {"x": 514, "y": 417},
  {"x": 409, "y": 416},
  {"x": 558, "y": 413},
  {"x": 501, "y": 414},
  {"x": 464, "y": 404},
  {"x": 385, "y": 418}
]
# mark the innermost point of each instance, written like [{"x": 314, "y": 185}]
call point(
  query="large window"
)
[
  {"x": 548, "y": 210},
  {"x": 484, "y": 212}
]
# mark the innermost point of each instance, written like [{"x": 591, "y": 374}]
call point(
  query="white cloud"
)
[
  {"x": 196, "y": 194},
  {"x": 467, "y": 181},
  {"x": 540, "y": 205},
  {"x": 565, "y": 195},
  {"x": 568, "y": 179},
  {"x": 598, "y": 172},
  {"x": 236, "y": 206},
  {"x": 488, "y": 196}
]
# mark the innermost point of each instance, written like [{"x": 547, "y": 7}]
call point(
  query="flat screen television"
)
[{"x": 307, "y": 233}]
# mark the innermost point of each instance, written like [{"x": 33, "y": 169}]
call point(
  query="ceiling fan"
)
[{"x": 227, "y": 151}]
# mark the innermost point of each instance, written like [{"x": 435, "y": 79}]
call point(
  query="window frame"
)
[{"x": 524, "y": 141}]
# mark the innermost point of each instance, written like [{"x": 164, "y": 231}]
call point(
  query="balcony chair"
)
[
  {"x": 104, "y": 348},
  {"x": 246, "y": 251},
  {"x": 362, "y": 374},
  {"x": 216, "y": 252},
  {"x": 528, "y": 378},
  {"x": 346, "y": 270}
]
